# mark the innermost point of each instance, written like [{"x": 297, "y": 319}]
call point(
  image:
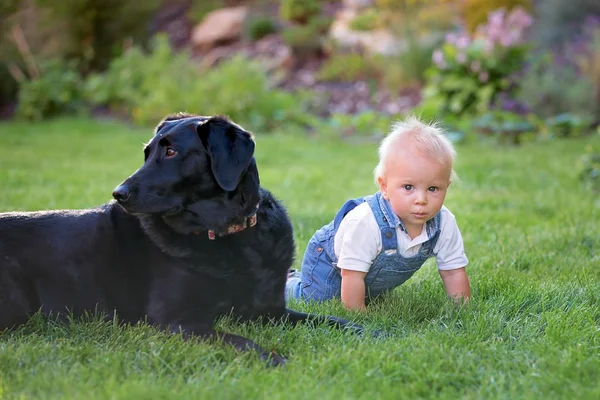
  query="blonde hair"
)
[{"x": 429, "y": 139}]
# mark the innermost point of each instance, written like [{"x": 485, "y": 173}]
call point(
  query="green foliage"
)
[
  {"x": 58, "y": 90},
  {"x": 149, "y": 86},
  {"x": 368, "y": 124},
  {"x": 549, "y": 88},
  {"x": 349, "y": 67},
  {"x": 569, "y": 125},
  {"x": 121, "y": 86},
  {"x": 366, "y": 20},
  {"x": 93, "y": 31},
  {"x": 259, "y": 26},
  {"x": 559, "y": 21},
  {"x": 392, "y": 72},
  {"x": 461, "y": 89},
  {"x": 503, "y": 125},
  {"x": 306, "y": 40},
  {"x": 475, "y": 12},
  {"x": 590, "y": 167},
  {"x": 469, "y": 71},
  {"x": 409, "y": 67},
  {"x": 300, "y": 11}
]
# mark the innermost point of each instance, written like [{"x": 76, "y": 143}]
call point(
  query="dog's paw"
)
[
  {"x": 379, "y": 334},
  {"x": 274, "y": 360}
]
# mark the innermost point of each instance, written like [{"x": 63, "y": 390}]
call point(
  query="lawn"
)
[{"x": 531, "y": 232}]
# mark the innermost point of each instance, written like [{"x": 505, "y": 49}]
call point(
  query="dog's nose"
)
[{"x": 121, "y": 193}]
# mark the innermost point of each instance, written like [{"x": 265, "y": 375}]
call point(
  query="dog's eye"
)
[{"x": 171, "y": 152}]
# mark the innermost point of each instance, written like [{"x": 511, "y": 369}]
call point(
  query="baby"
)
[{"x": 375, "y": 243}]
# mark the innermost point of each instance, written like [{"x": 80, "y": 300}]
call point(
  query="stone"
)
[{"x": 218, "y": 27}]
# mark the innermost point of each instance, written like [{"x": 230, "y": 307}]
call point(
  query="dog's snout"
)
[{"x": 121, "y": 193}]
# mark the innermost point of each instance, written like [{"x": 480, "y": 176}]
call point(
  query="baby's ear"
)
[{"x": 382, "y": 186}]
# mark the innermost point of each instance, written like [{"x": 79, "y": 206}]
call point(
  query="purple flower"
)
[
  {"x": 438, "y": 59},
  {"x": 483, "y": 77}
]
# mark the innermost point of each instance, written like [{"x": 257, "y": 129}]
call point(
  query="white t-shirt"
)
[{"x": 358, "y": 241}]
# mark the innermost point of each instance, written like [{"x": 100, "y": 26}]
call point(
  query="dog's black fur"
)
[{"x": 147, "y": 256}]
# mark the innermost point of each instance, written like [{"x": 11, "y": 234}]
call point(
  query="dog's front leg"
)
[{"x": 239, "y": 342}]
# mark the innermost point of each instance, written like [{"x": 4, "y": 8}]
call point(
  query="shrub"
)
[
  {"x": 409, "y": 67},
  {"x": 300, "y": 11},
  {"x": 560, "y": 21},
  {"x": 58, "y": 90},
  {"x": 367, "y": 20},
  {"x": 149, "y": 86},
  {"x": 120, "y": 87},
  {"x": 549, "y": 88},
  {"x": 393, "y": 72},
  {"x": 304, "y": 40},
  {"x": 590, "y": 168},
  {"x": 475, "y": 12},
  {"x": 258, "y": 27},
  {"x": 503, "y": 125},
  {"x": 470, "y": 71},
  {"x": 365, "y": 124},
  {"x": 587, "y": 58},
  {"x": 92, "y": 31},
  {"x": 348, "y": 67}
]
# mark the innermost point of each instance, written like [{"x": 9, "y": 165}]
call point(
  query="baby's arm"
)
[
  {"x": 457, "y": 285},
  {"x": 353, "y": 289}
]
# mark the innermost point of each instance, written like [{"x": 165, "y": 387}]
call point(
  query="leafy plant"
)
[
  {"x": 300, "y": 11},
  {"x": 57, "y": 90},
  {"x": 590, "y": 167},
  {"x": 504, "y": 125},
  {"x": 304, "y": 40},
  {"x": 560, "y": 21},
  {"x": 366, "y": 20},
  {"x": 92, "y": 31},
  {"x": 469, "y": 71},
  {"x": 550, "y": 87},
  {"x": 259, "y": 26},
  {"x": 568, "y": 124},
  {"x": 148, "y": 86},
  {"x": 348, "y": 67}
]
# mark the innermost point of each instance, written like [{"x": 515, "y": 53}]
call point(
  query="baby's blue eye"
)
[
  {"x": 433, "y": 189},
  {"x": 408, "y": 187}
]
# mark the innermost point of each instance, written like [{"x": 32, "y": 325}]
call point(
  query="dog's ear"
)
[{"x": 230, "y": 149}]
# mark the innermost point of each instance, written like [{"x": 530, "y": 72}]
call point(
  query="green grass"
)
[{"x": 532, "y": 330}]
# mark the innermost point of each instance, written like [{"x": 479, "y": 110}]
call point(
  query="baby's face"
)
[{"x": 416, "y": 187}]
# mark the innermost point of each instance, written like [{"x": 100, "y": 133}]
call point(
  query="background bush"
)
[
  {"x": 300, "y": 11},
  {"x": 57, "y": 91},
  {"x": 470, "y": 71},
  {"x": 559, "y": 21},
  {"x": 549, "y": 88},
  {"x": 150, "y": 85}
]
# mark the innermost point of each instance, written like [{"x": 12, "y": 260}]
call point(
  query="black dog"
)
[{"x": 191, "y": 237}]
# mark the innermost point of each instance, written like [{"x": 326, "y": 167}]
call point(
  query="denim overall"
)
[{"x": 320, "y": 279}]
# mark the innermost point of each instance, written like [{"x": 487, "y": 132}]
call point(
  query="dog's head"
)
[{"x": 193, "y": 167}]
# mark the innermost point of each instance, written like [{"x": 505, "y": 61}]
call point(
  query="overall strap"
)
[
  {"x": 346, "y": 208},
  {"x": 389, "y": 240}
]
